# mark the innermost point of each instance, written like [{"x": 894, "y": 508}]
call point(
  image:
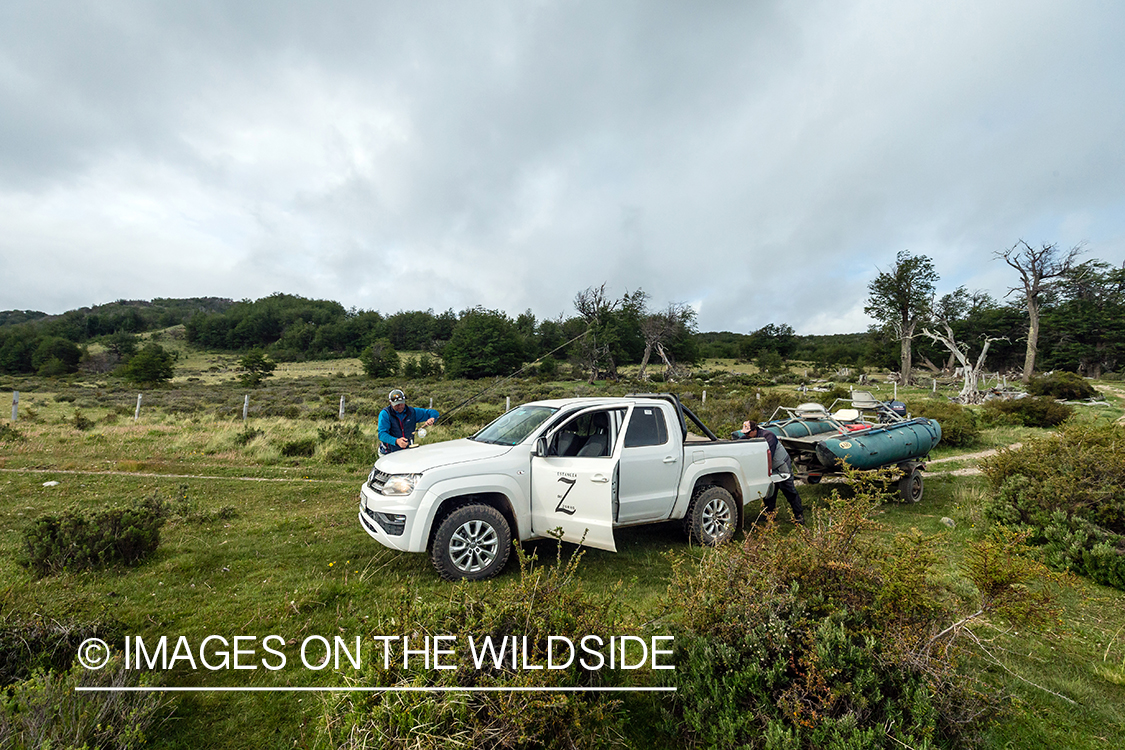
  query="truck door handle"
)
[
  {"x": 669, "y": 459},
  {"x": 599, "y": 478}
]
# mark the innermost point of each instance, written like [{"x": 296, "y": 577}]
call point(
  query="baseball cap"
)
[{"x": 397, "y": 397}]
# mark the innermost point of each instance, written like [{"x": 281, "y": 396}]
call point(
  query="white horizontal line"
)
[{"x": 372, "y": 689}]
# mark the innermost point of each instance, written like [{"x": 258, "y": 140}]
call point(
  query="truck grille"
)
[{"x": 378, "y": 480}]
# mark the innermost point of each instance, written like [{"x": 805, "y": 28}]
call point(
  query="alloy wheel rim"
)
[
  {"x": 474, "y": 546},
  {"x": 716, "y": 518}
]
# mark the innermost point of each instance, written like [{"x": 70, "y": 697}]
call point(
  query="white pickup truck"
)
[{"x": 582, "y": 465}]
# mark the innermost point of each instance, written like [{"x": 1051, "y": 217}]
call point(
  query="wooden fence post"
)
[
  {"x": 507, "y": 404},
  {"x": 341, "y": 407},
  {"x": 15, "y": 405},
  {"x": 137, "y": 411},
  {"x": 245, "y": 407}
]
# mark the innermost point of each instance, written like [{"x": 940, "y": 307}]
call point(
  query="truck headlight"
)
[{"x": 400, "y": 484}]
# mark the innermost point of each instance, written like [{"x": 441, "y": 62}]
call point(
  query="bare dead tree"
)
[
  {"x": 1036, "y": 269},
  {"x": 971, "y": 371},
  {"x": 658, "y": 329}
]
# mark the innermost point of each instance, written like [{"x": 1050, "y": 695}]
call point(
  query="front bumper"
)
[{"x": 389, "y": 521}]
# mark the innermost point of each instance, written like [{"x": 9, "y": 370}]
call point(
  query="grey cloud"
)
[{"x": 758, "y": 160}]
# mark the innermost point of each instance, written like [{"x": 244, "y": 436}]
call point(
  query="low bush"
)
[
  {"x": 346, "y": 443},
  {"x": 302, "y": 447},
  {"x": 1030, "y": 412},
  {"x": 77, "y": 539},
  {"x": 81, "y": 421},
  {"x": 542, "y": 601},
  {"x": 829, "y": 397},
  {"x": 247, "y": 436},
  {"x": 47, "y": 711},
  {"x": 1065, "y": 385},
  {"x": 35, "y": 643},
  {"x": 827, "y": 638},
  {"x": 9, "y": 434},
  {"x": 474, "y": 415},
  {"x": 960, "y": 427},
  {"x": 1067, "y": 491},
  {"x": 186, "y": 508}
]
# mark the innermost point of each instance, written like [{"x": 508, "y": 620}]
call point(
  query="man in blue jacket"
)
[{"x": 397, "y": 422}]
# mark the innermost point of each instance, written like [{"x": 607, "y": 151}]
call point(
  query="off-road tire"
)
[
  {"x": 712, "y": 516},
  {"x": 910, "y": 487},
  {"x": 471, "y": 543}
]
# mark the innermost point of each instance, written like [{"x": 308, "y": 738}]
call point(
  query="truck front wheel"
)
[
  {"x": 471, "y": 543},
  {"x": 712, "y": 517}
]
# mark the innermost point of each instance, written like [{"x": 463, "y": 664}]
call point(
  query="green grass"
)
[
  {"x": 1080, "y": 657},
  {"x": 294, "y": 561}
]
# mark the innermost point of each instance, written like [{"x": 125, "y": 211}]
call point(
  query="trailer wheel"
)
[
  {"x": 910, "y": 486},
  {"x": 471, "y": 543},
  {"x": 813, "y": 479},
  {"x": 712, "y": 517}
]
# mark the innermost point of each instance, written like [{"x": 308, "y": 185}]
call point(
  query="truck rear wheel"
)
[
  {"x": 471, "y": 543},
  {"x": 712, "y": 517}
]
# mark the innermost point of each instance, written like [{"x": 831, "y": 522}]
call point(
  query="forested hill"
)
[
  {"x": 130, "y": 316},
  {"x": 1082, "y": 330}
]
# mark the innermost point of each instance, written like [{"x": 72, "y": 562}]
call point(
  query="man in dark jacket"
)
[
  {"x": 780, "y": 463},
  {"x": 397, "y": 422}
]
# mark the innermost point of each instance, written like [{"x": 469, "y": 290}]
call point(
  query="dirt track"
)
[{"x": 173, "y": 476}]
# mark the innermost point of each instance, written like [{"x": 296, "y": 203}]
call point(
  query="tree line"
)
[{"x": 1061, "y": 314}]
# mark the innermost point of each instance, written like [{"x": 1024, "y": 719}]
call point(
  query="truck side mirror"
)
[{"x": 541, "y": 446}]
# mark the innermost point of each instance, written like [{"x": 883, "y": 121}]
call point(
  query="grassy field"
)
[{"x": 268, "y": 543}]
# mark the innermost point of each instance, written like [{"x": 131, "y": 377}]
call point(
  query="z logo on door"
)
[{"x": 568, "y": 509}]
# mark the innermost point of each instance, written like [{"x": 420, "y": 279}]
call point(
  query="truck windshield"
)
[{"x": 514, "y": 426}]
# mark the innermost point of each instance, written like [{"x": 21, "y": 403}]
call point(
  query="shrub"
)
[
  {"x": 477, "y": 415},
  {"x": 548, "y": 367},
  {"x": 829, "y": 397},
  {"x": 187, "y": 509},
  {"x": 81, "y": 421},
  {"x": 827, "y": 638},
  {"x": 1065, "y": 385},
  {"x": 1068, "y": 491},
  {"x": 543, "y": 601},
  {"x": 76, "y": 540},
  {"x": 959, "y": 426},
  {"x": 346, "y": 444},
  {"x": 1029, "y": 412},
  {"x": 39, "y": 643},
  {"x": 246, "y": 436},
  {"x": 303, "y": 447},
  {"x": 46, "y": 710},
  {"x": 9, "y": 434}
]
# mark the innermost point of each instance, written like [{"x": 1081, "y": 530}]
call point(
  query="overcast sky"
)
[{"x": 760, "y": 161}]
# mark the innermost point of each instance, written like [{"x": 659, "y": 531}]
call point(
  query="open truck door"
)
[{"x": 574, "y": 478}]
